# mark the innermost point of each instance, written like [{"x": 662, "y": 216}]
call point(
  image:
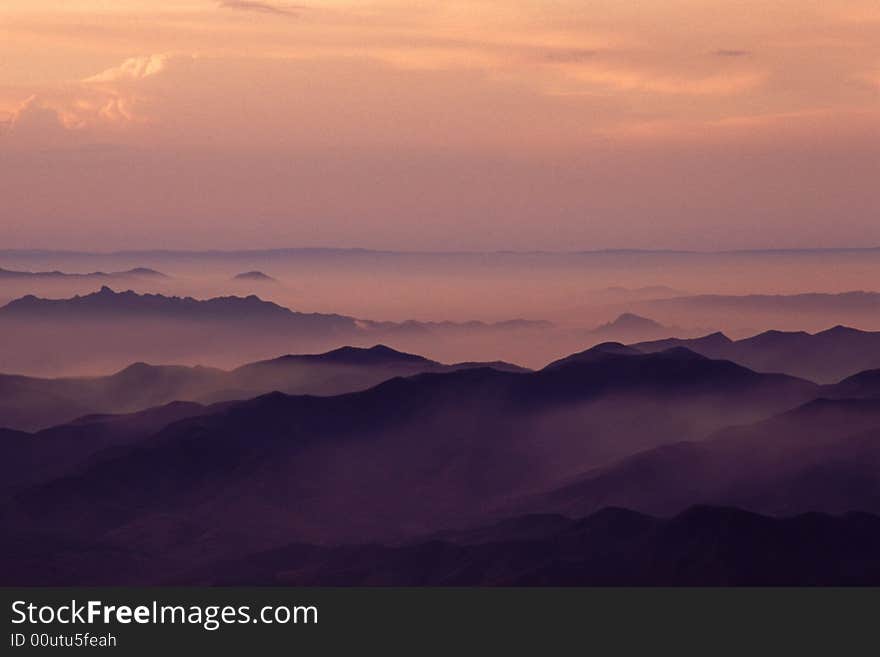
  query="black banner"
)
[{"x": 151, "y": 621}]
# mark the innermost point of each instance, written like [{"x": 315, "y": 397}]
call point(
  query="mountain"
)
[
  {"x": 826, "y": 356},
  {"x": 822, "y": 456},
  {"x": 107, "y": 304},
  {"x": 31, "y": 403},
  {"x": 597, "y": 353},
  {"x": 137, "y": 272},
  {"x": 703, "y": 546},
  {"x": 472, "y": 326},
  {"x": 58, "y": 451},
  {"x": 858, "y": 386},
  {"x": 105, "y": 330},
  {"x": 410, "y": 456},
  {"x": 629, "y": 327},
  {"x": 257, "y": 276}
]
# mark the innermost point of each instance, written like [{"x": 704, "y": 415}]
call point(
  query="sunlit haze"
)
[{"x": 475, "y": 125}]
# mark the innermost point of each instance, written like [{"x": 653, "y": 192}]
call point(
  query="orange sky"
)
[{"x": 456, "y": 125}]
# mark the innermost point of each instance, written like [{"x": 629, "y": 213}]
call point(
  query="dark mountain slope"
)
[
  {"x": 824, "y": 456},
  {"x": 31, "y": 458},
  {"x": 703, "y": 546},
  {"x": 410, "y": 456}
]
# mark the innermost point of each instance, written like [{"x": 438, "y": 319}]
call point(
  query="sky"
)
[{"x": 478, "y": 125}]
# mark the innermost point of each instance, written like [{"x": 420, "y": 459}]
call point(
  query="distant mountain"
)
[
  {"x": 137, "y": 272},
  {"x": 629, "y": 327},
  {"x": 816, "y": 302},
  {"x": 257, "y": 276},
  {"x": 31, "y": 403},
  {"x": 108, "y": 304},
  {"x": 703, "y": 546},
  {"x": 823, "y": 456},
  {"x": 107, "y": 329},
  {"x": 410, "y": 456},
  {"x": 826, "y": 356},
  {"x": 472, "y": 326}
]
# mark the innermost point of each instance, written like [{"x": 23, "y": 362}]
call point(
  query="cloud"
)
[
  {"x": 634, "y": 80},
  {"x": 570, "y": 56},
  {"x": 35, "y": 122},
  {"x": 731, "y": 53},
  {"x": 260, "y": 7},
  {"x": 114, "y": 98},
  {"x": 135, "y": 68}
]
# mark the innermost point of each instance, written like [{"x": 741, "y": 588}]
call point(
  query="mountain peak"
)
[
  {"x": 596, "y": 353},
  {"x": 631, "y": 320},
  {"x": 839, "y": 331},
  {"x": 375, "y": 354},
  {"x": 254, "y": 275}
]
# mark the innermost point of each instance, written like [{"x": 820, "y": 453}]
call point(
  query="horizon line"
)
[{"x": 456, "y": 252}]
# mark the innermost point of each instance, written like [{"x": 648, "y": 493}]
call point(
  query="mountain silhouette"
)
[
  {"x": 108, "y": 304},
  {"x": 702, "y": 546},
  {"x": 257, "y": 276},
  {"x": 825, "y": 357},
  {"x": 137, "y": 272},
  {"x": 31, "y": 403},
  {"x": 410, "y": 456}
]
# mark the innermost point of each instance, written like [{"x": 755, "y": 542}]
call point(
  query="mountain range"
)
[
  {"x": 108, "y": 304},
  {"x": 30, "y": 403},
  {"x": 702, "y": 546},
  {"x": 825, "y": 357},
  {"x": 614, "y": 465},
  {"x": 128, "y": 497},
  {"x": 137, "y": 272},
  {"x": 106, "y": 330}
]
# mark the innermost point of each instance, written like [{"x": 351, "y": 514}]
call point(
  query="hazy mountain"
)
[
  {"x": 137, "y": 272},
  {"x": 256, "y": 276},
  {"x": 812, "y": 310},
  {"x": 823, "y": 456},
  {"x": 409, "y": 456},
  {"x": 628, "y": 327},
  {"x": 106, "y": 330},
  {"x": 862, "y": 385},
  {"x": 107, "y": 304},
  {"x": 32, "y": 403},
  {"x": 826, "y": 356},
  {"x": 31, "y": 458}
]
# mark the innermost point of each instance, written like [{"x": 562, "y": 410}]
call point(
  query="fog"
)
[{"x": 576, "y": 292}]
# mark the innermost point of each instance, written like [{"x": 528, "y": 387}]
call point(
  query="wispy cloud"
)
[
  {"x": 568, "y": 56},
  {"x": 261, "y": 7}
]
